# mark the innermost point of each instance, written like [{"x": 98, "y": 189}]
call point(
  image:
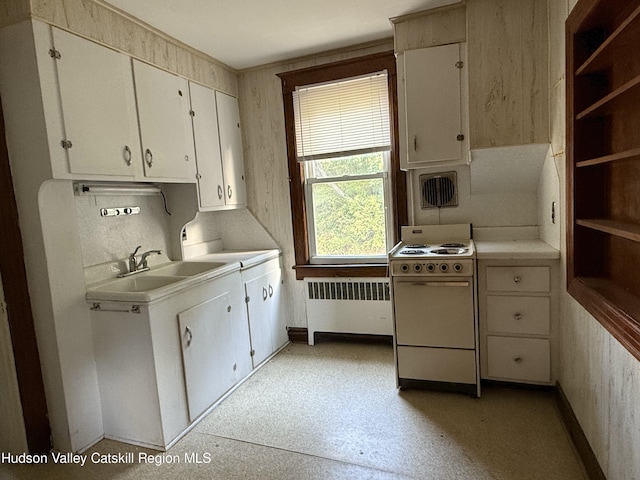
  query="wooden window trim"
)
[{"x": 325, "y": 73}]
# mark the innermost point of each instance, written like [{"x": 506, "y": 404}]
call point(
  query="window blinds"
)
[{"x": 342, "y": 118}]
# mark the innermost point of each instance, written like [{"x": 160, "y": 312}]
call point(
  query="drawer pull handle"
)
[
  {"x": 517, "y": 279},
  {"x": 517, "y": 316},
  {"x": 189, "y": 336},
  {"x": 517, "y": 359}
]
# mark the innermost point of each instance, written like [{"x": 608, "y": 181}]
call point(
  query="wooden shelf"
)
[
  {"x": 628, "y": 154},
  {"x": 623, "y": 39},
  {"x": 614, "y": 100},
  {"x": 630, "y": 231},
  {"x": 603, "y": 253}
]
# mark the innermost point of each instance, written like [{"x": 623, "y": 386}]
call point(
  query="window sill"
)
[{"x": 347, "y": 270}]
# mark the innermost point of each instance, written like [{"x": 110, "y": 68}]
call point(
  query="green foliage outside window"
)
[{"x": 349, "y": 214}]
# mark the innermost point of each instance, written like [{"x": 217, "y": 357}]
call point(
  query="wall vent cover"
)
[{"x": 439, "y": 190}]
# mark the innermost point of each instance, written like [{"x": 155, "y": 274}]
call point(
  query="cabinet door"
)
[
  {"x": 432, "y": 105},
  {"x": 260, "y": 324},
  {"x": 276, "y": 310},
  {"x": 231, "y": 149},
  {"x": 207, "y": 353},
  {"x": 165, "y": 123},
  {"x": 98, "y": 107},
  {"x": 207, "y": 145}
]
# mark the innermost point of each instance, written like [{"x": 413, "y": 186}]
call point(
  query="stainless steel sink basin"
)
[
  {"x": 141, "y": 283},
  {"x": 184, "y": 269}
]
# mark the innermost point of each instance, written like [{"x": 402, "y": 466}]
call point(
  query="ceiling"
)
[{"x": 246, "y": 33}]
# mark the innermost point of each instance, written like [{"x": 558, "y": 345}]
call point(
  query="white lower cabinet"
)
[
  {"x": 149, "y": 395},
  {"x": 267, "y": 323},
  {"x": 516, "y": 309},
  {"x": 207, "y": 352}
]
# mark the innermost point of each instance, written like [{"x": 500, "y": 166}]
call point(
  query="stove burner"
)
[
  {"x": 416, "y": 245},
  {"x": 449, "y": 251},
  {"x": 452, "y": 245},
  {"x": 406, "y": 251}
]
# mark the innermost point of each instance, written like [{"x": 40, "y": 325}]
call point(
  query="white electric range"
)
[{"x": 433, "y": 285}]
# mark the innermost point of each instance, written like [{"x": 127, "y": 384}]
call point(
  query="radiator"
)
[{"x": 348, "y": 305}]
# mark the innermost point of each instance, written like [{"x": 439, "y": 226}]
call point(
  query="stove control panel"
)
[{"x": 457, "y": 267}]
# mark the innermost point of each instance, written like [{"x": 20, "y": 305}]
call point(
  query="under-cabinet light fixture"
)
[{"x": 115, "y": 189}]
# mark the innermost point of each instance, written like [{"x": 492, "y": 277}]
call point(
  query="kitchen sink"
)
[
  {"x": 157, "y": 282},
  {"x": 141, "y": 283}
]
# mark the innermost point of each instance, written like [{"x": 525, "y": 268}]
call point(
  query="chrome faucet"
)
[
  {"x": 141, "y": 266},
  {"x": 143, "y": 258}
]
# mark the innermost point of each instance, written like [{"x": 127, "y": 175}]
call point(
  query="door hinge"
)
[
  {"x": 66, "y": 144},
  {"x": 252, "y": 353},
  {"x": 53, "y": 53},
  {"x": 459, "y": 64},
  {"x": 2, "y": 309},
  {"x": 247, "y": 299},
  {"x": 192, "y": 113}
]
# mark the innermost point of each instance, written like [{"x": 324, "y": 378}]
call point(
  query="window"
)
[{"x": 348, "y": 195}]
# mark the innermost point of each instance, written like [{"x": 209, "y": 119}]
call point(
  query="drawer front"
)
[
  {"x": 519, "y": 315},
  {"x": 437, "y": 364},
  {"x": 518, "y": 279},
  {"x": 518, "y": 359}
]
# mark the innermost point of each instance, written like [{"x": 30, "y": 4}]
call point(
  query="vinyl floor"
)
[{"x": 331, "y": 411}]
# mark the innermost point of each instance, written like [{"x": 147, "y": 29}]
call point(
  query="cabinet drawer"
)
[
  {"x": 519, "y": 315},
  {"x": 518, "y": 279},
  {"x": 437, "y": 364},
  {"x": 518, "y": 359}
]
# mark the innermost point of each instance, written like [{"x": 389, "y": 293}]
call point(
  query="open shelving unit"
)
[{"x": 603, "y": 164}]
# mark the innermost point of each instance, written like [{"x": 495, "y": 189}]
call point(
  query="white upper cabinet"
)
[
  {"x": 211, "y": 186},
  {"x": 218, "y": 144},
  {"x": 165, "y": 124},
  {"x": 231, "y": 149},
  {"x": 98, "y": 108},
  {"x": 431, "y": 119}
]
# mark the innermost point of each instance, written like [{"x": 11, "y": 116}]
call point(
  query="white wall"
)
[{"x": 600, "y": 378}]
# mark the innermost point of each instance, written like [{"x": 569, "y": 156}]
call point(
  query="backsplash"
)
[{"x": 105, "y": 239}]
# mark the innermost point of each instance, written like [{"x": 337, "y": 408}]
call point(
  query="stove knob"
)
[
  {"x": 430, "y": 267},
  {"x": 457, "y": 267},
  {"x": 417, "y": 267},
  {"x": 444, "y": 267},
  {"x": 404, "y": 267}
]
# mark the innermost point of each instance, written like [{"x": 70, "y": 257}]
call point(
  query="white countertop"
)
[
  {"x": 515, "y": 249},
  {"x": 246, "y": 258}
]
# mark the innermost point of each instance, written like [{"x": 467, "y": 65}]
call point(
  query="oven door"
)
[{"x": 434, "y": 311}]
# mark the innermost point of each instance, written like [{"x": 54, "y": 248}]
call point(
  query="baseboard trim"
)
[
  {"x": 578, "y": 437},
  {"x": 298, "y": 334}
]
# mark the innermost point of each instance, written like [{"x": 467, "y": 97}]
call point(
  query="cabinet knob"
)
[
  {"x": 517, "y": 359},
  {"x": 219, "y": 192},
  {"x": 186, "y": 158},
  {"x": 264, "y": 294},
  {"x": 127, "y": 155},
  {"x": 229, "y": 191},
  {"x": 270, "y": 291},
  {"x": 517, "y": 316},
  {"x": 229, "y": 308},
  {"x": 517, "y": 279},
  {"x": 148, "y": 156}
]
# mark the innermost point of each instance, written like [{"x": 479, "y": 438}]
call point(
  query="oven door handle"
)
[{"x": 441, "y": 284}]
